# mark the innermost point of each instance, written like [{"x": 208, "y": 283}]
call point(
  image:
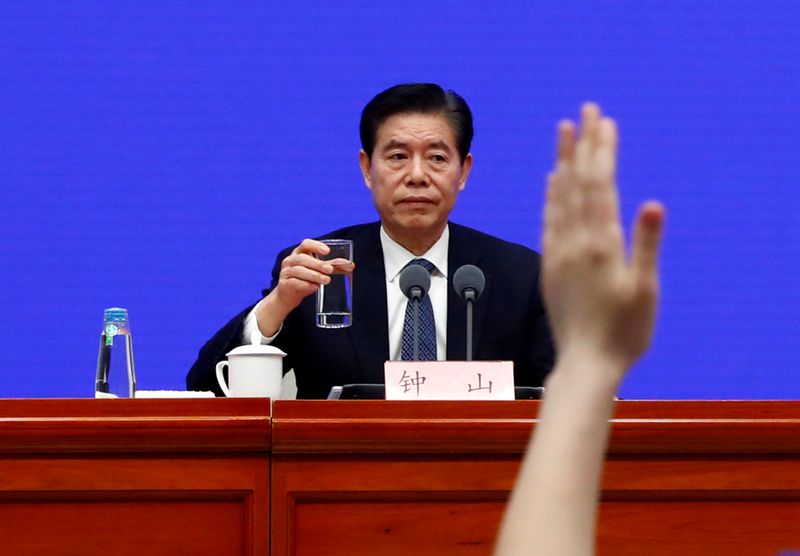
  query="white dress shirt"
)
[{"x": 395, "y": 258}]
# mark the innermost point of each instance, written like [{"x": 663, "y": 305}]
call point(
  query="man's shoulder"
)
[
  {"x": 515, "y": 266},
  {"x": 489, "y": 244}
]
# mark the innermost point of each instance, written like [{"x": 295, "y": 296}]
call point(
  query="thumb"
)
[{"x": 647, "y": 233}]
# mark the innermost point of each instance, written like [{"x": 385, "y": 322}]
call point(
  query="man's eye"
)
[
  {"x": 397, "y": 156},
  {"x": 438, "y": 158}
]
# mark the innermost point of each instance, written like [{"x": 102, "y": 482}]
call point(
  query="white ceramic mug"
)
[{"x": 254, "y": 371}]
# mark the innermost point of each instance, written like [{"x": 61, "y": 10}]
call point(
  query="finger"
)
[
  {"x": 647, "y": 234},
  {"x": 553, "y": 208},
  {"x": 600, "y": 214},
  {"x": 585, "y": 145},
  {"x": 590, "y": 118},
  {"x": 559, "y": 182},
  {"x": 312, "y": 246},
  {"x": 565, "y": 200},
  {"x": 305, "y": 275},
  {"x": 342, "y": 266},
  {"x": 602, "y": 197},
  {"x": 304, "y": 260},
  {"x": 606, "y": 149},
  {"x": 565, "y": 143}
]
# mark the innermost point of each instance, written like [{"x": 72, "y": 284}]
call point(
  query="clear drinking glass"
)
[{"x": 335, "y": 300}]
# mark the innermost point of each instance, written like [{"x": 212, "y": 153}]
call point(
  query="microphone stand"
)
[
  {"x": 416, "y": 293},
  {"x": 469, "y": 297},
  {"x": 469, "y": 282}
]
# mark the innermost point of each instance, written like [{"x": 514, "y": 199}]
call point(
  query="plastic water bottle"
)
[{"x": 115, "y": 325}]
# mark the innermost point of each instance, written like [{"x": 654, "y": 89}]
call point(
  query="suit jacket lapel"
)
[
  {"x": 461, "y": 253},
  {"x": 370, "y": 329}
]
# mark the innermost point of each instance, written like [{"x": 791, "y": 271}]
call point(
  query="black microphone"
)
[
  {"x": 469, "y": 282},
  {"x": 415, "y": 282}
]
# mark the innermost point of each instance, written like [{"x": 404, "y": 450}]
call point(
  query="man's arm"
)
[
  {"x": 295, "y": 277},
  {"x": 601, "y": 306}
]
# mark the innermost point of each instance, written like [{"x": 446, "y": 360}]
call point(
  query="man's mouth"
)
[{"x": 417, "y": 201}]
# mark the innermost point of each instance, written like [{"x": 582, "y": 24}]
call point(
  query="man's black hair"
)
[{"x": 417, "y": 98}]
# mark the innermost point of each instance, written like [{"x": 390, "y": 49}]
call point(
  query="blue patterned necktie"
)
[{"x": 427, "y": 324}]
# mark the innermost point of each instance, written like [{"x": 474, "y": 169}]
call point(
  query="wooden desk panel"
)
[
  {"x": 129, "y": 477},
  {"x": 339, "y": 505},
  {"x": 389, "y": 478},
  {"x": 392, "y": 478},
  {"x": 699, "y": 478}
]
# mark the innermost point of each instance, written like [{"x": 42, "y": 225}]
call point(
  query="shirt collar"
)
[{"x": 396, "y": 257}]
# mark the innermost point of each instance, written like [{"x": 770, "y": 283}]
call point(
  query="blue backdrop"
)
[{"x": 155, "y": 155}]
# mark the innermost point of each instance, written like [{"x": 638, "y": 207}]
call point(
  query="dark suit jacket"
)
[{"x": 510, "y": 322}]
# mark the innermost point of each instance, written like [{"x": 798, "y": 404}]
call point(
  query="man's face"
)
[{"x": 415, "y": 175}]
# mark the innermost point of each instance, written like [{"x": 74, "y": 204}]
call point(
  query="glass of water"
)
[{"x": 335, "y": 300}]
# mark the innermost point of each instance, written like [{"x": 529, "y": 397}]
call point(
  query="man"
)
[{"x": 415, "y": 159}]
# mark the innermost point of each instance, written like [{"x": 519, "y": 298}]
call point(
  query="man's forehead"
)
[{"x": 416, "y": 126}]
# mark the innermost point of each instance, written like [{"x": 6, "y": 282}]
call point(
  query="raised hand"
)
[{"x": 601, "y": 303}]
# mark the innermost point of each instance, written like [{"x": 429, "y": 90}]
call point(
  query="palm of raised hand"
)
[{"x": 598, "y": 299}]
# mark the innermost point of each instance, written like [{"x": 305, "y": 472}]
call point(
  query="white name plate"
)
[{"x": 449, "y": 380}]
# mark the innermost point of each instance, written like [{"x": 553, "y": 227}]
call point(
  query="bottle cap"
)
[
  {"x": 116, "y": 315},
  {"x": 115, "y": 322}
]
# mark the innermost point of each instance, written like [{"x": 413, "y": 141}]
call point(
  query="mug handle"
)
[{"x": 221, "y": 365}]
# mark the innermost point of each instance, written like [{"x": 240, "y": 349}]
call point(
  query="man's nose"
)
[{"x": 416, "y": 172}]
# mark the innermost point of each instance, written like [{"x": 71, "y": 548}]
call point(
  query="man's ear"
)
[
  {"x": 364, "y": 162},
  {"x": 465, "y": 168}
]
